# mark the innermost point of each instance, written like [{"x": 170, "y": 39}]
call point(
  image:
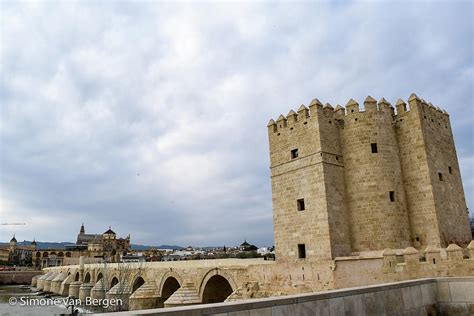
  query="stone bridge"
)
[
  {"x": 151, "y": 284},
  {"x": 177, "y": 283}
]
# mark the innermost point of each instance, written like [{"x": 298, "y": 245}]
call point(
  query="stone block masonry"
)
[
  {"x": 17, "y": 277},
  {"x": 348, "y": 180}
]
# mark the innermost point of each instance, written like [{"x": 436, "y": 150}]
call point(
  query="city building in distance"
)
[
  {"x": 94, "y": 247},
  {"x": 17, "y": 254}
]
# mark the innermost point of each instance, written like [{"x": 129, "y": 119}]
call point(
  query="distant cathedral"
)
[
  {"x": 95, "y": 247},
  {"x": 103, "y": 243}
]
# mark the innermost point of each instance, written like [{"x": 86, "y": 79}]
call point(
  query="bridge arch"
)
[
  {"x": 168, "y": 277},
  {"x": 87, "y": 278},
  {"x": 170, "y": 283},
  {"x": 113, "y": 282},
  {"x": 139, "y": 281},
  {"x": 216, "y": 286},
  {"x": 99, "y": 276},
  {"x": 76, "y": 277}
]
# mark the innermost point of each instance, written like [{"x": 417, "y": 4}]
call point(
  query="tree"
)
[{"x": 122, "y": 277}]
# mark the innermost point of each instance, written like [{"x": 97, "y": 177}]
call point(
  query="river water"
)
[{"x": 16, "y": 300}]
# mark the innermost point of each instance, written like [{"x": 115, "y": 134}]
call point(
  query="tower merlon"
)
[
  {"x": 352, "y": 106},
  {"x": 340, "y": 111},
  {"x": 414, "y": 101},
  {"x": 385, "y": 106},
  {"x": 291, "y": 117},
  {"x": 370, "y": 104},
  {"x": 272, "y": 127},
  {"x": 328, "y": 106},
  {"x": 314, "y": 106},
  {"x": 282, "y": 122},
  {"x": 413, "y": 97},
  {"x": 401, "y": 106},
  {"x": 328, "y": 109},
  {"x": 303, "y": 112}
]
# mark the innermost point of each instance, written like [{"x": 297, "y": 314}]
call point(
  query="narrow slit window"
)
[
  {"x": 440, "y": 176},
  {"x": 301, "y": 251},
  {"x": 392, "y": 196},
  {"x": 450, "y": 170},
  {"x": 294, "y": 153},
  {"x": 373, "y": 147},
  {"x": 300, "y": 204}
]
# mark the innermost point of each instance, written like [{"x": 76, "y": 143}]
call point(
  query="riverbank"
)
[{"x": 17, "y": 277}]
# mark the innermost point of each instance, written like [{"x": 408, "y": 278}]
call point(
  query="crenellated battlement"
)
[
  {"x": 392, "y": 265},
  {"x": 430, "y": 261},
  {"x": 451, "y": 253},
  {"x": 425, "y": 109},
  {"x": 370, "y": 105}
]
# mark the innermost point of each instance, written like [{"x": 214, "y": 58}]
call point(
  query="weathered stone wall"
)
[
  {"x": 334, "y": 181},
  {"x": 17, "y": 277},
  {"x": 438, "y": 212},
  {"x": 420, "y": 200},
  {"x": 290, "y": 183},
  {"x": 403, "y": 264},
  {"x": 359, "y": 200},
  {"x": 376, "y": 221},
  {"x": 322, "y": 227},
  {"x": 444, "y": 174}
]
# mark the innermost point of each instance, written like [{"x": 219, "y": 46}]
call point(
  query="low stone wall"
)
[
  {"x": 17, "y": 277},
  {"x": 436, "y": 296},
  {"x": 455, "y": 296}
]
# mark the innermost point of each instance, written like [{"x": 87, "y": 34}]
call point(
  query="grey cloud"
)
[{"x": 152, "y": 117}]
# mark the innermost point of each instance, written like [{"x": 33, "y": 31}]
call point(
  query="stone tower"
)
[
  {"x": 347, "y": 180},
  {"x": 432, "y": 177},
  {"x": 308, "y": 190},
  {"x": 376, "y": 199}
]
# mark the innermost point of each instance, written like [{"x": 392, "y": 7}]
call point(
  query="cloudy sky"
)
[{"x": 151, "y": 117}]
